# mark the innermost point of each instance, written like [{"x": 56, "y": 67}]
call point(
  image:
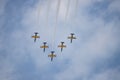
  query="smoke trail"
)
[
  {"x": 38, "y": 15},
  {"x": 76, "y": 6},
  {"x": 48, "y": 9},
  {"x": 57, "y": 12},
  {"x": 67, "y": 10},
  {"x": 58, "y": 7}
]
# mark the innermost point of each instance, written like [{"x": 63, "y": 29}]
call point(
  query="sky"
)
[{"x": 94, "y": 55}]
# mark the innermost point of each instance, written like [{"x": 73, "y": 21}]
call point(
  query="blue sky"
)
[{"x": 94, "y": 55}]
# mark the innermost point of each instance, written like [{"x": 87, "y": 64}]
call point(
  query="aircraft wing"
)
[
  {"x": 43, "y": 46},
  {"x": 46, "y": 46},
  {"x": 59, "y": 46},
  {"x": 35, "y": 36},
  {"x": 64, "y": 45},
  {"x": 74, "y": 37},
  {"x": 69, "y": 37},
  {"x": 51, "y": 55},
  {"x": 54, "y": 55}
]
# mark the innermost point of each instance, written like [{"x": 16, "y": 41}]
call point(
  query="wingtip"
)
[{"x": 72, "y": 34}]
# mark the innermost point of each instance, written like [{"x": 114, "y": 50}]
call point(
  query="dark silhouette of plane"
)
[
  {"x": 52, "y": 55},
  {"x": 62, "y": 46},
  {"x": 71, "y": 37},
  {"x": 44, "y": 46},
  {"x": 35, "y": 36}
]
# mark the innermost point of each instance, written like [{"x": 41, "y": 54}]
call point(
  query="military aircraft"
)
[
  {"x": 44, "y": 46},
  {"x": 62, "y": 46},
  {"x": 35, "y": 36},
  {"x": 71, "y": 37},
  {"x": 52, "y": 55}
]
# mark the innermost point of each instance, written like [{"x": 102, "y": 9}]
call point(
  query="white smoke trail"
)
[
  {"x": 46, "y": 26},
  {"x": 48, "y": 9},
  {"x": 76, "y": 6},
  {"x": 38, "y": 15},
  {"x": 58, "y": 7},
  {"x": 57, "y": 12},
  {"x": 67, "y": 10}
]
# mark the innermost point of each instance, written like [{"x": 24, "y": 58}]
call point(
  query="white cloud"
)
[
  {"x": 97, "y": 46},
  {"x": 95, "y": 39}
]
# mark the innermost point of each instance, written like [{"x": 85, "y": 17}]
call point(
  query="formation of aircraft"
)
[
  {"x": 44, "y": 46},
  {"x": 35, "y": 36},
  {"x": 71, "y": 37},
  {"x": 52, "y": 55},
  {"x": 62, "y": 46}
]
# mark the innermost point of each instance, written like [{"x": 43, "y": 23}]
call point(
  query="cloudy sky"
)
[{"x": 94, "y": 55}]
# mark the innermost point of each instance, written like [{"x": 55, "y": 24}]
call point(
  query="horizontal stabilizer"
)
[{"x": 61, "y": 45}]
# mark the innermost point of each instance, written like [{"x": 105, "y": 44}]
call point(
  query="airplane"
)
[
  {"x": 62, "y": 46},
  {"x": 71, "y": 37},
  {"x": 44, "y": 46},
  {"x": 35, "y": 36},
  {"x": 52, "y": 55}
]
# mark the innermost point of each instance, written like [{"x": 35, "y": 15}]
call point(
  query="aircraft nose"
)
[
  {"x": 62, "y": 42},
  {"x": 36, "y": 32},
  {"x": 52, "y": 51},
  {"x": 44, "y": 42}
]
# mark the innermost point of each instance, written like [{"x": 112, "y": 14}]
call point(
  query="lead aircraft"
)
[{"x": 52, "y": 55}]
